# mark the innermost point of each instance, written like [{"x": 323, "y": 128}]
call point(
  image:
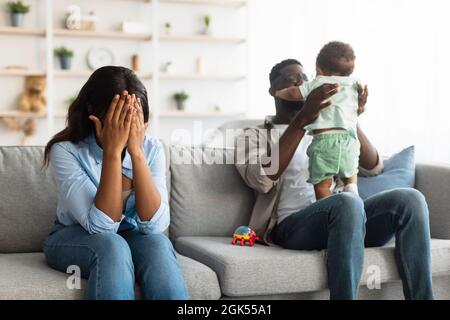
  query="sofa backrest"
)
[
  {"x": 433, "y": 180},
  {"x": 27, "y": 199},
  {"x": 208, "y": 196}
]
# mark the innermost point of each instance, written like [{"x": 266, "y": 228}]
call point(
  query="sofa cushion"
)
[
  {"x": 201, "y": 280},
  {"x": 27, "y": 276},
  {"x": 27, "y": 199},
  {"x": 398, "y": 172},
  {"x": 208, "y": 197},
  {"x": 263, "y": 270}
]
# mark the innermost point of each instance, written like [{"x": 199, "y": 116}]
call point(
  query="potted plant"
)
[
  {"x": 65, "y": 57},
  {"x": 167, "y": 28},
  {"x": 206, "y": 24},
  {"x": 180, "y": 97},
  {"x": 17, "y": 11}
]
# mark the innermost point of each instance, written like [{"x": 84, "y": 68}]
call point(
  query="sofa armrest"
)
[{"x": 433, "y": 180}]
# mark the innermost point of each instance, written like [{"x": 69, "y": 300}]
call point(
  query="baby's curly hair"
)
[{"x": 336, "y": 58}]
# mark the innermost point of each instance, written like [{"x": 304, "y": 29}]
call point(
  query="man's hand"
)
[
  {"x": 317, "y": 100},
  {"x": 363, "y": 93},
  {"x": 138, "y": 129}
]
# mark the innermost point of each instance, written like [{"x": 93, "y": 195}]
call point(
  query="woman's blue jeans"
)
[
  {"x": 112, "y": 261},
  {"x": 344, "y": 224}
]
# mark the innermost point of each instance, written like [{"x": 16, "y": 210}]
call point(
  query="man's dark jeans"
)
[{"x": 344, "y": 224}]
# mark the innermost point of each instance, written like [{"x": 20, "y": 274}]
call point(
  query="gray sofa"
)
[{"x": 208, "y": 201}]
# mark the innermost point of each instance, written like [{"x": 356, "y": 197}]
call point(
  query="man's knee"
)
[
  {"x": 412, "y": 201},
  {"x": 349, "y": 208}
]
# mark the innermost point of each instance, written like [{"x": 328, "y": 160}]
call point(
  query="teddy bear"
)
[
  {"x": 33, "y": 99},
  {"x": 28, "y": 127}
]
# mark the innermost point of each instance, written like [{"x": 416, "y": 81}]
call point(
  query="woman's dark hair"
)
[{"x": 94, "y": 99}]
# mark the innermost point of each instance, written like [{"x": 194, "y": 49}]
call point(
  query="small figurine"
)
[
  {"x": 244, "y": 234},
  {"x": 73, "y": 17},
  {"x": 75, "y": 20}
]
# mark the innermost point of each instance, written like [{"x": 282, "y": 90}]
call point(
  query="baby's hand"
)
[{"x": 290, "y": 94}]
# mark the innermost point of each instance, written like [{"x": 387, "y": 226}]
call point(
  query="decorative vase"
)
[
  {"x": 66, "y": 62},
  {"x": 180, "y": 105},
  {"x": 199, "y": 68},
  {"x": 135, "y": 63},
  {"x": 206, "y": 31},
  {"x": 17, "y": 19}
]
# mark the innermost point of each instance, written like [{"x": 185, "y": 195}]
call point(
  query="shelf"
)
[
  {"x": 220, "y": 3},
  {"x": 201, "y": 39},
  {"x": 21, "y": 72},
  {"x": 21, "y": 114},
  {"x": 194, "y": 76},
  {"x": 87, "y": 73},
  {"x": 187, "y": 114},
  {"x": 118, "y": 35},
  {"x": 16, "y": 31},
  {"x": 57, "y": 73}
]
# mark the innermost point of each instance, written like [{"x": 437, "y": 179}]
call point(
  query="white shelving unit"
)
[
  {"x": 201, "y": 77},
  {"x": 48, "y": 33},
  {"x": 116, "y": 35},
  {"x": 183, "y": 114},
  {"x": 220, "y": 3},
  {"x": 21, "y": 31},
  {"x": 201, "y": 39}
]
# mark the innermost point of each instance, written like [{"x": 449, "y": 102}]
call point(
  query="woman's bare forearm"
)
[
  {"x": 147, "y": 197},
  {"x": 109, "y": 193}
]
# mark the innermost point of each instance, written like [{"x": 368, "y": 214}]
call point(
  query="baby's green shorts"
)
[{"x": 333, "y": 154}]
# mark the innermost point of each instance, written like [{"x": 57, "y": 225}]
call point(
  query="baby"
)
[{"x": 334, "y": 150}]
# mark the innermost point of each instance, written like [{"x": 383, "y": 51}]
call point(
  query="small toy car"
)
[{"x": 244, "y": 234}]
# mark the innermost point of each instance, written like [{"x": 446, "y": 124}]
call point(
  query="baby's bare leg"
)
[
  {"x": 351, "y": 184},
  {"x": 353, "y": 179},
  {"x": 322, "y": 189}
]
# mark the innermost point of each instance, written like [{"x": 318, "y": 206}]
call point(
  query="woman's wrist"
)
[
  {"x": 112, "y": 152},
  {"x": 136, "y": 152}
]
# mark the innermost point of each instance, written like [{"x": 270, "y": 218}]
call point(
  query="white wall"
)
[{"x": 402, "y": 50}]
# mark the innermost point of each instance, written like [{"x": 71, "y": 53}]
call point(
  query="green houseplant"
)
[
  {"x": 167, "y": 27},
  {"x": 17, "y": 11},
  {"x": 180, "y": 98},
  {"x": 65, "y": 57},
  {"x": 206, "y": 24}
]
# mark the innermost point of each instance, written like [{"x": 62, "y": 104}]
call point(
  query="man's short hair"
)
[
  {"x": 337, "y": 58},
  {"x": 276, "y": 69}
]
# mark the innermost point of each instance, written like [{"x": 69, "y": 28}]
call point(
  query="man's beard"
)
[{"x": 293, "y": 105}]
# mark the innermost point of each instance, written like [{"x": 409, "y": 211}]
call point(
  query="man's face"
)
[{"x": 291, "y": 75}]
